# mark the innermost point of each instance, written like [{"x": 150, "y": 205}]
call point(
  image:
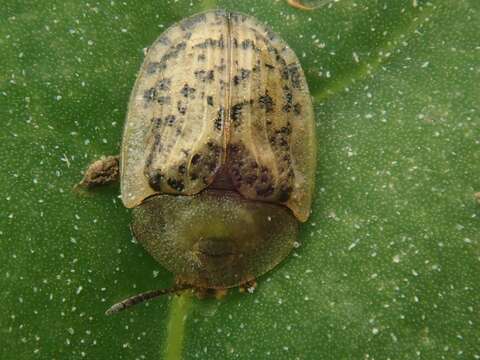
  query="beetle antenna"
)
[{"x": 136, "y": 299}]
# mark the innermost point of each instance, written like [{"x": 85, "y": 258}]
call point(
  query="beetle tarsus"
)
[
  {"x": 139, "y": 298},
  {"x": 101, "y": 172}
]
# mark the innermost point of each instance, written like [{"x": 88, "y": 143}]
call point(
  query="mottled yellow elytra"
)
[
  {"x": 218, "y": 152},
  {"x": 220, "y": 91}
]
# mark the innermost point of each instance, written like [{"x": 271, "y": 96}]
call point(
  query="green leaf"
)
[{"x": 389, "y": 262}]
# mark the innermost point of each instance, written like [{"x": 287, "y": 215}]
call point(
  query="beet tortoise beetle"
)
[{"x": 218, "y": 152}]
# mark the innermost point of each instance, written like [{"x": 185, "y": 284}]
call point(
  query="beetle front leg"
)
[{"x": 101, "y": 172}]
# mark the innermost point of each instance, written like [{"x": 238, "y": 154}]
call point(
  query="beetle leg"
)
[
  {"x": 101, "y": 172},
  {"x": 298, "y": 5},
  {"x": 139, "y": 298},
  {"x": 248, "y": 286}
]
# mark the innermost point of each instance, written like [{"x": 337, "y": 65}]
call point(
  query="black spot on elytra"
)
[
  {"x": 176, "y": 184},
  {"x": 181, "y": 107},
  {"x": 191, "y": 22},
  {"x": 211, "y": 43},
  {"x": 163, "y": 84},
  {"x": 221, "y": 67},
  {"x": 266, "y": 102},
  {"x": 156, "y": 122},
  {"x": 288, "y": 97},
  {"x": 187, "y": 91},
  {"x": 182, "y": 169},
  {"x": 214, "y": 151},
  {"x": 219, "y": 120},
  {"x": 269, "y": 66},
  {"x": 196, "y": 158},
  {"x": 264, "y": 191},
  {"x": 170, "y": 120},
  {"x": 172, "y": 53},
  {"x": 297, "y": 108},
  {"x": 271, "y": 35},
  {"x": 278, "y": 58},
  {"x": 162, "y": 100},
  {"x": 155, "y": 180},
  {"x": 201, "y": 57},
  {"x": 210, "y": 100},
  {"x": 164, "y": 40},
  {"x": 236, "y": 114},
  {"x": 284, "y": 193},
  {"x": 152, "y": 67},
  {"x": 204, "y": 75},
  {"x": 295, "y": 77},
  {"x": 244, "y": 74},
  {"x": 150, "y": 94},
  {"x": 248, "y": 44},
  {"x": 281, "y": 137}
]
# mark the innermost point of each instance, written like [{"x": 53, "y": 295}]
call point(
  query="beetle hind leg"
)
[{"x": 104, "y": 171}]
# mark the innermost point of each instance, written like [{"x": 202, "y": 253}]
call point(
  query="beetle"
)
[{"x": 218, "y": 153}]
